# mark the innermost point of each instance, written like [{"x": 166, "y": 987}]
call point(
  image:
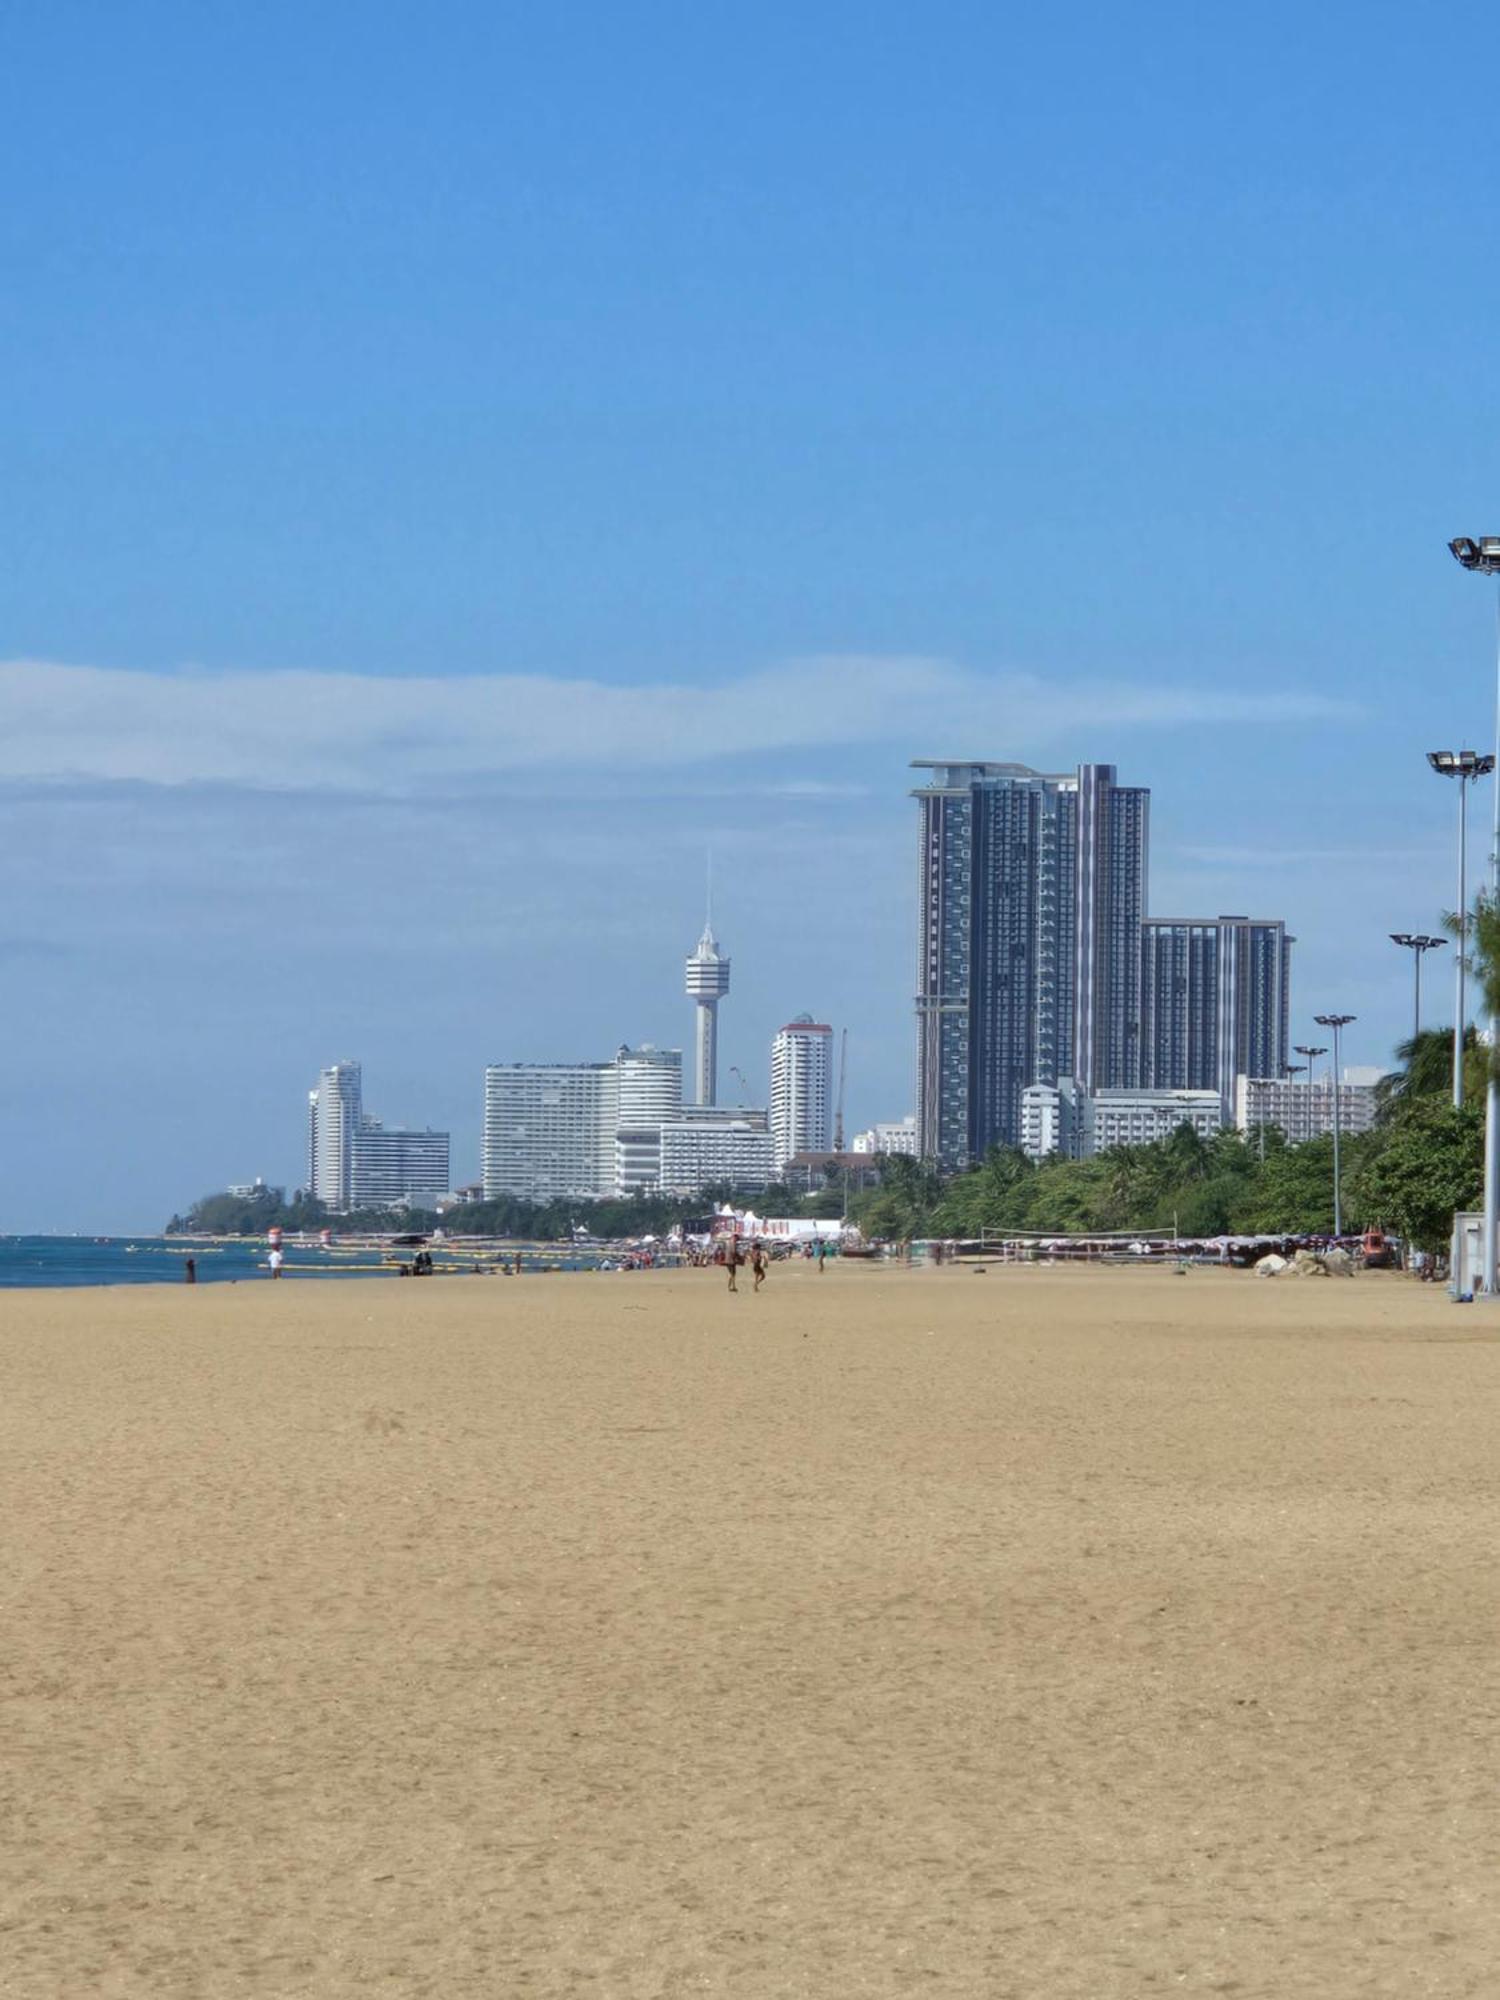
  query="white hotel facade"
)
[
  {"x": 801, "y": 1074},
  {"x": 712, "y": 1146},
  {"x": 587, "y": 1131},
  {"x": 579, "y": 1130}
]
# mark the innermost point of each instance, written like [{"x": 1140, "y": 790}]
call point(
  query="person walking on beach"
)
[
  {"x": 822, "y": 1255},
  {"x": 190, "y": 1271},
  {"x": 274, "y": 1260},
  {"x": 758, "y": 1264},
  {"x": 732, "y": 1261}
]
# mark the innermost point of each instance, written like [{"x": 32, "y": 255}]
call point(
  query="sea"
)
[{"x": 159, "y": 1260}]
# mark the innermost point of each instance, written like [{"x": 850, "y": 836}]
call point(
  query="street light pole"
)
[
  {"x": 1416, "y": 945},
  {"x": 1466, "y": 766},
  {"x": 1483, "y": 558},
  {"x": 1337, "y": 1022}
]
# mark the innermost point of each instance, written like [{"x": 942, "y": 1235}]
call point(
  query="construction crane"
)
[{"x": 838, "y": 1108}]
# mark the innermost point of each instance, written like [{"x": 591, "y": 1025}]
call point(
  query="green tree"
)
[{"x": 1424, "y": 1169}]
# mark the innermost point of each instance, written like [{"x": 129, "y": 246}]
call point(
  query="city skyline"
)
[{"x": 433, "y": 529}]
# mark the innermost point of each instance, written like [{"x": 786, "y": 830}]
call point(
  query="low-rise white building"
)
[
  {"x": 1302, "y": 1110},
  {"x": 897, "y": 1135},
  {"x": 1142, "y": 1117},
  {"x": 711, "y": 1145},
  {"x": 1059, "y": 1118},
  {"x": 1049, "y": 1122},
  {"x": 256, "y": 1190}
]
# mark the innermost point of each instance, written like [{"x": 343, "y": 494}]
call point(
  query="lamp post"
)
[
  {"x": 1337, "y": 1022},
  {"x": 1302, "y": 1049},
  {"x": 1466, "y": 766},
  {"x": 1482, "y": 558},
  {"x": 1416, "y": 945}
]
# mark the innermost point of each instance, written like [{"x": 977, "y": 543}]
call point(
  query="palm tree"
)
[
  {"x": 1484, "y": 957},
  {"x": 1427, "y": 1070}
]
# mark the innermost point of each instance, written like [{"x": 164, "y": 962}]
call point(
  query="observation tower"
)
[{"x": 707, "y": 983}]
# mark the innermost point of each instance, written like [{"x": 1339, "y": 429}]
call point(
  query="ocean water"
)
[
  {"x": 157, "y": 1260},
  {"x": 152, "y": 1260}
]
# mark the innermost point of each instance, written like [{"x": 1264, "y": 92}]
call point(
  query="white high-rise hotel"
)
[
  {"x": 355, "y": 1161},
  {"x": 801, "y": 1072},
  {"x": 579, "y": 1129},
  {"x": 334, "y": 1111}
]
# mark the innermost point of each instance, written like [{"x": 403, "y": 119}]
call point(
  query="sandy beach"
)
[{"x": 1041, "y": 1633}]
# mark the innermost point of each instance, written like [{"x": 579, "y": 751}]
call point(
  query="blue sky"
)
[{"x": 463, "y": 461}]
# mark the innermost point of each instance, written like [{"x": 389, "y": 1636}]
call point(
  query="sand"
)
[{"x": 1044, "y": 1633}]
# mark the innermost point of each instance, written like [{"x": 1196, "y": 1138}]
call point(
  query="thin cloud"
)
[{"x": 339, "y": 732}]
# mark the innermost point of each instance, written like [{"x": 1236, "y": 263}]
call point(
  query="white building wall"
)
[
  {"x": 585, "y": 1130},
  {"x": 1041, "y": 1120},
  {"x": 698, "y": 1153},
  {"x": 648, "y": 1091},
  {"x": 897, "y": 1135},
  {"x": 801, "y": 1070},
  {"x": 549, "y": 1130},
  {"x": 1143, "y": 1117},
  {"x": 335, "y": 1110},
  {"x": 397, "y": 1165},
  {"x": 1303, "y": 1110}
]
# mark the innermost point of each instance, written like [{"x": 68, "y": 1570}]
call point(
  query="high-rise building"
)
[
  {"x": 1215, "y": 1003},
  {"x": 1033, "y": 890},
  {"x": 648, "y": 1093},
  {"x": 579, "y": 1130},
  {"x": 354, "y": 1161},
  {"x": 707, "y": 984},
  {"x": 396, "y": 1167},
  {"x": 334, "y": 1112},
  {"x": 549, "y": 1130},
  {"x": 801, "y": 1072}
]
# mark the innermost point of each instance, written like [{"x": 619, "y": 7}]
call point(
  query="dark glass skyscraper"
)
[
  {"x": 1032, "y": 899},
  {"x": 1215, "y": 1002}
]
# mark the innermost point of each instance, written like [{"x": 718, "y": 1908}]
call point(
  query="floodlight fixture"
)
[
  {"x": 1465, "y": 764},
  {"x": 1482, "y": 556},
  {"x": 1417, "y": 944}
]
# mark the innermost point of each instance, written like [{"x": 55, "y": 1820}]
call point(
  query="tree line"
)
[
  {"x": 1422, "y": 1161},
  {"x": 529, "y": 1221}
]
